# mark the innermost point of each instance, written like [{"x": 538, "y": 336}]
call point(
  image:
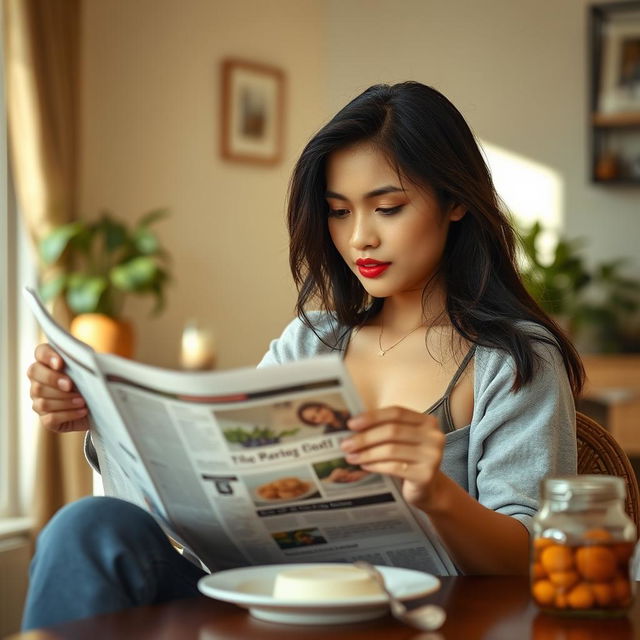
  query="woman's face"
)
[
  {"x": 318, "y": 414},
  {"x": 390, "y": 233}
]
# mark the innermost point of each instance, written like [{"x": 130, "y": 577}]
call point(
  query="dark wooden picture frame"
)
[
  {"x": 619, "y": 90},
  {"x": 252, "y": 112},
  {"x": 614, "y": 93}
]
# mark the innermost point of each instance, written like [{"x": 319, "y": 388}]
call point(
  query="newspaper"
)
[{"x": 244, "y": 467}]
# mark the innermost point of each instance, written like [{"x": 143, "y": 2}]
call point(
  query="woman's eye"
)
[
  {"x": 338, "y": 213},
  {"x": 389, "y": 211}
]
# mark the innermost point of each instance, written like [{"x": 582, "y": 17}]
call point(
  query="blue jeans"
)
[{"x": 99, "y": 555}]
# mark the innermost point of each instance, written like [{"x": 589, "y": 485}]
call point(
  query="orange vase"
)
[{"x": 104, "y": 334}]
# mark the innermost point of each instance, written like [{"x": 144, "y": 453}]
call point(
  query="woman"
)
[
  {"x": 319, "y": 413},
  {"x": 418, "y": 288}
]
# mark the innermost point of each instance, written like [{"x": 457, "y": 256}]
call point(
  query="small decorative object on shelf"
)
[
  {"x": 607, "y": 166},
  {"x": 615, "y": 91}
]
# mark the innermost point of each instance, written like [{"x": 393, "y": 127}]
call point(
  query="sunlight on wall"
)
[{"x": 530, "y": 191}]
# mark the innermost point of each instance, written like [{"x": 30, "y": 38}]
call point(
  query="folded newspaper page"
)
[{"x": 244, "y": 467}]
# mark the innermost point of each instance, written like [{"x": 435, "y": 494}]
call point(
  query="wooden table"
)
[{"x": 478, "y": 608}]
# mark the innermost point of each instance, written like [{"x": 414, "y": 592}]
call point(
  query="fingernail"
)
[
  {"x": 64, "y": 384},
  {"x": 355, "y": 422},
  {"x": 347, "y": 445},
  {"x": 55, "y": 362},
  {"x": 77, "y": 401},
  {"x": 353, "y": 457},
  {"x": 81, "y": 412}
]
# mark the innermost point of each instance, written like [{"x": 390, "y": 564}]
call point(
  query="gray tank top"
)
[{"x": 441, "y": 408}]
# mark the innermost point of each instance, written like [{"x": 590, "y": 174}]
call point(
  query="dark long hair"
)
[{"x": 429, "y": 143}]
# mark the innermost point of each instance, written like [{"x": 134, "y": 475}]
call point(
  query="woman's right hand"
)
[{"x": 60, "y": 407}]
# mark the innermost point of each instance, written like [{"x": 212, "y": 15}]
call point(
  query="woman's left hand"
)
[{"x": 398, "y": 442}]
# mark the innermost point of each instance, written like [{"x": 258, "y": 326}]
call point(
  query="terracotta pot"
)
[{"x": 104, "y": 334}]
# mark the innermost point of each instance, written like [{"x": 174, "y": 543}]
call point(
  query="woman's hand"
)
[
  {"x": 398, "y": 442},
  {"x": 60, "y": 407}
]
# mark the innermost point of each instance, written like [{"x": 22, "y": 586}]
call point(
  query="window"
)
[
  {"x": 7, "y": 353},
  {"x": 18, "y": 334},
  {"x": 17, "y": 339}
]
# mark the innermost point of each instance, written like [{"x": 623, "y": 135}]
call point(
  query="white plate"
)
[
  {"x": 251, "y": 588},
  {"x": 350, "y": 485}
]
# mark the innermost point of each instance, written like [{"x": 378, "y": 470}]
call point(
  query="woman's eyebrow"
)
[{"x": 371, "y": 194}]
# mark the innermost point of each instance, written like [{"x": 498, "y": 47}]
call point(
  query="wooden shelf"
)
[
  {"x": 619, "y": 181},
  {"x": 614, "y": 120},
  {"x": 612, "y": 136}
]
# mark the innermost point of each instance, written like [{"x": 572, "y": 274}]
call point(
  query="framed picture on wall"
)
[
  {"x": 620, "y": 67},
  {"x": 252, "y": 112}
]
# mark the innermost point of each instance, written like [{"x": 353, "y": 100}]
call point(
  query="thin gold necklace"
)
[{"x": 395, "y": 344}]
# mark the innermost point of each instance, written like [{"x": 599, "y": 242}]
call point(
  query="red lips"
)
[{"x": 370, "y": 268}]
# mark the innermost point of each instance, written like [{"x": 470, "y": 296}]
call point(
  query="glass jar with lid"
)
[{"x": 582, "y": 546}]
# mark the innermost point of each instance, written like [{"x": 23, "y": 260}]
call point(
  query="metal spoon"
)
[{"x": 428, "y": 617}]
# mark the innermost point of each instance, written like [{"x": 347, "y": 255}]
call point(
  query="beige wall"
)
[
  {"x": 517, "y": 71},
  {"x": 150, "y": 137}
]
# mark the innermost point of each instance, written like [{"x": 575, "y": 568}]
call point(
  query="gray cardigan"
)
[{"x": 514, "y": 439}]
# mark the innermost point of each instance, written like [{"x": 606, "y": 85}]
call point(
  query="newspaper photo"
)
[{"x": 244, "y": 467}]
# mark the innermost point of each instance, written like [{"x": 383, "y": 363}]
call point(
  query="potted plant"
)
[
  {"x": 597, "y": 305},
  {"x": 105, "y": 261}
]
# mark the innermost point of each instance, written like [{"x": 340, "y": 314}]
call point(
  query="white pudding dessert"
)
[{"x": 331, "y": 582}]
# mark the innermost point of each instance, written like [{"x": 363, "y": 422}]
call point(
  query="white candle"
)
[{"x": 198, "y": 348}]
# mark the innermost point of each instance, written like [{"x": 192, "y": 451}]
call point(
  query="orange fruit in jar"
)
[
  {"x": 596, "y": 564},
  {"x": 564, "y": 579},
  {"x": 623, "y": 553},
  {"x": 622, "y": 590},
  {"x": 537, "y": 571},
  {"x": 560, "y": 600},
  {"x": 603, "y": 592},
  {"x": 597, "y": 535},
  {"x": 541, "y": 543},
  {"x": 581, "y": 596},
  {"x": 556, "y": 558},
  {"x": 543, "y": 592}
]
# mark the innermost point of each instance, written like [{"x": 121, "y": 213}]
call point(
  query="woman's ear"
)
[{"x": 457, "y": 212}]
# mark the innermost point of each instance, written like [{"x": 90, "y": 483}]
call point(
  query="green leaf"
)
[
  {"x": 145, "y": 241},
  {"x": 157, "y": 291},
  {"x": 135, "y": 275},
  {"x": 83, "y": 240},
  {"x": 153, "y": 216},
  {"x": 84, "y": 292},
  {"x": 53, "y": 287},
  {"x": 53, "y": 244},
  {"x": 115, "y": 234}
]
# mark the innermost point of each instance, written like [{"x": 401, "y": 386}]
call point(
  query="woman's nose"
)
[{"x": 363, "y": 233}]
